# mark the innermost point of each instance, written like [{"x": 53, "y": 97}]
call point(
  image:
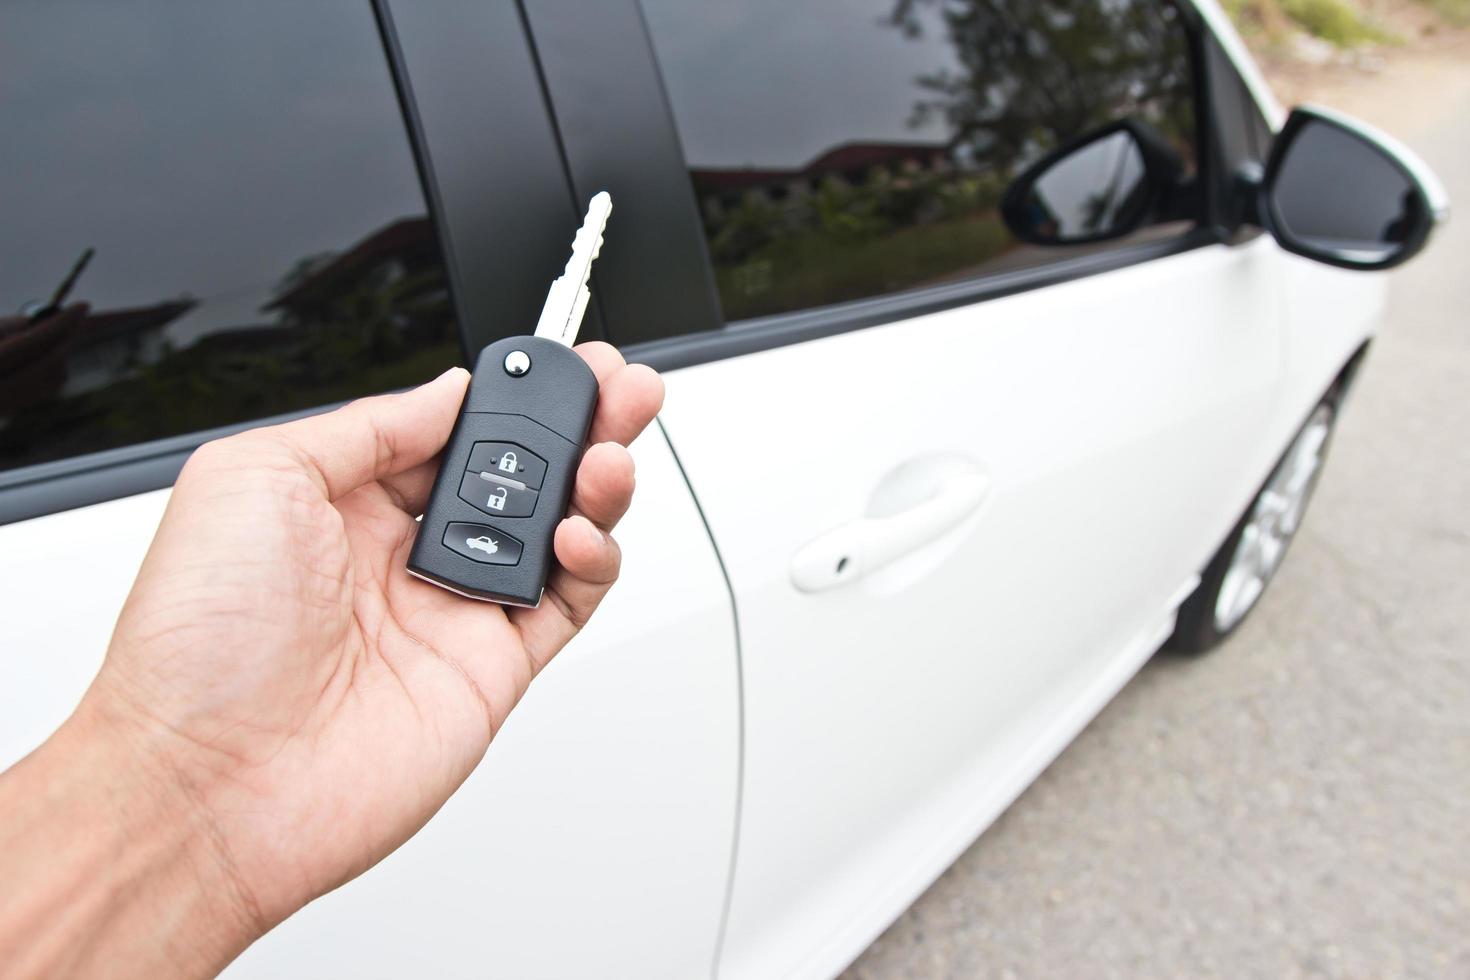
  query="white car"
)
[{"x": 990, "y": 369}]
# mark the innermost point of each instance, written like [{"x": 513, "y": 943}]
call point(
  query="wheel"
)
[{"x": 1233, "y": 581}]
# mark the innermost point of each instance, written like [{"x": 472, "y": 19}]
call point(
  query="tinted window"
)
[
  {"x": 847, "y": 148},
  {"x": 211, "y": 214}
]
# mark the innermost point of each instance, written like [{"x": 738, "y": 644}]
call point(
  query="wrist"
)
[{"x": 110, "y": 864}]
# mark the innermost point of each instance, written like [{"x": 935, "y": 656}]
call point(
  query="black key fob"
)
[{"x": 507, "y": 473}]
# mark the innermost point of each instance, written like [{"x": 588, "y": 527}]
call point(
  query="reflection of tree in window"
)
[
  {"x": 1013, "y": 81},
  {"x": 1034, "y": 75}
]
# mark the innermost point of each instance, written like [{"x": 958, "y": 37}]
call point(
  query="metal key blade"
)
[{"x": 566, "y": 301}]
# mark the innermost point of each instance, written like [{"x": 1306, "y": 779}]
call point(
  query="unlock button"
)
[{"x": 497, "y": 495}]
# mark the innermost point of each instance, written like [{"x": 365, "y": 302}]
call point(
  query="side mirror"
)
[
  {"x": 1092, "y": 189},
  {"x": 1340, "y": 192}
]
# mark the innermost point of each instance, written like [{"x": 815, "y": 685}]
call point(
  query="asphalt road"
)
[{"x": 1298, "y": 802}]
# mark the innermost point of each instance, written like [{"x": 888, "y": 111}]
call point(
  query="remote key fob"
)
[{"x": 511, "y": 461}]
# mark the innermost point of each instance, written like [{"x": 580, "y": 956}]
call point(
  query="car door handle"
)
[{"x": 859, "y": 547}]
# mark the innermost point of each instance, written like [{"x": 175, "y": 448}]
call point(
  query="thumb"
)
[{"x": 376, "y": 437}]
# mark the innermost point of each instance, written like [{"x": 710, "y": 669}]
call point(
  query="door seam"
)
[{"x": 739, "y": 705}]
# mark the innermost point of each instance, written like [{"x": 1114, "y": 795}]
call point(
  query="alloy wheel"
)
[{"x": 1273, "y": 522}]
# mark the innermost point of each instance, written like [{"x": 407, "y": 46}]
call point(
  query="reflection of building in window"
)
[
  {"x": 72, "y": 351},
  {"x": 391, "y": 280},
  {"x": 375, "y": 316},
  {"x": 115, "y": 343},
  {"x": 850, "y": 163}
]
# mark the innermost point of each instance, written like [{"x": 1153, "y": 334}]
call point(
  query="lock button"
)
[
  {"x": 508, "y": 460},
  {"x": 498, "y": 495}
]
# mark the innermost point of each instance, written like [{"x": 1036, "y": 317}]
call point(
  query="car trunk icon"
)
[{"x": 483, "y": 543}]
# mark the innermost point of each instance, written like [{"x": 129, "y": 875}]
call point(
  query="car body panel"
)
[
  {"x": 1119, "y": 419},
  {"x": 1331, "y": 314}
]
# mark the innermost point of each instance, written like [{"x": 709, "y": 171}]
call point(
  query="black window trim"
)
[
  {"x": 768, "y": 332},
  {"x": 597, "y": 158},
  {"x": 456, "y": 127},
  {"x": 1238, "y": 118},
  {"x": 616, "y": 127},
  {"x": 94, "y": 478}
]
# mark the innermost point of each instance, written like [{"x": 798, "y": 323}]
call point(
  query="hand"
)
[{"x": 283, "y": 685}]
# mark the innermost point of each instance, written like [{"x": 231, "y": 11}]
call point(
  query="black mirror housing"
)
[{"x": 1340, "y": 192}]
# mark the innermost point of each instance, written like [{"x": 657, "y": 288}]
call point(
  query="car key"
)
[{"x": 511, "y": 461}]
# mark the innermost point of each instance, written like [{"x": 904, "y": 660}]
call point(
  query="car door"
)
[
  {"x": 219, "y": 219},
  {"x": 958, "y": 484}
]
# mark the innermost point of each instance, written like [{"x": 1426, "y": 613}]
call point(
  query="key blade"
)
[
  {"x": 561, "y": 317},
  {"x": 587, "y": 244}
]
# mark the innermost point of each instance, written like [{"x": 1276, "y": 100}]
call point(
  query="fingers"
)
[
  {"x": 589, "y": 561},
  {"x": 587, "y": 556},
  {"x": 602, "y": 358},
  {"x": 604, "y": 486},
  {"x": 630, "y": 398},
  {"x": 390, "y": 437},
  {"x": 375, "y": 438},
  {"x": 631, "y": 394},
  {"x": 603, "y": 490}
]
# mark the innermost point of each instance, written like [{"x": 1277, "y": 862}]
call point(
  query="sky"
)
[{"x": 774, "y": 83}]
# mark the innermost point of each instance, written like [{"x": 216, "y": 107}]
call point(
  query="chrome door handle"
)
[{"x": 859, "y": 547}]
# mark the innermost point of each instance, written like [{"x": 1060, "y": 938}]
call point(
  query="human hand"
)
[{"x": 277, "y": 676}]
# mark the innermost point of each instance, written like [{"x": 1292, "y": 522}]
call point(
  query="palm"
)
[{"x": 330, "y": 702}]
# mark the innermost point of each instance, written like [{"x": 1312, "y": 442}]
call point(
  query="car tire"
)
[{"x": 1232, "y": 583}]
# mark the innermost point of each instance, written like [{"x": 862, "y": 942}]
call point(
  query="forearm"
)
[{"x": 107, "y": 868}]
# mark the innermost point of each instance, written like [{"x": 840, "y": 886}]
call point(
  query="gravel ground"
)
[{"x": 1296, "y": 804}]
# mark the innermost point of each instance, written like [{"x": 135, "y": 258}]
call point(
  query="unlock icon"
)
[{"x": 497, "y": 502}]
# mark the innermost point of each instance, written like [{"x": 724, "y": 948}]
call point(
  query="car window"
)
[
  {"x": 841, "y": 149},
  {"x": 211, "y": 215}
]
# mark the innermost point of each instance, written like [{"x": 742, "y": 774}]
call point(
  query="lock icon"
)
[
  {"x": 508, "y": 463},
  {"x": 497, "y": 503}
]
